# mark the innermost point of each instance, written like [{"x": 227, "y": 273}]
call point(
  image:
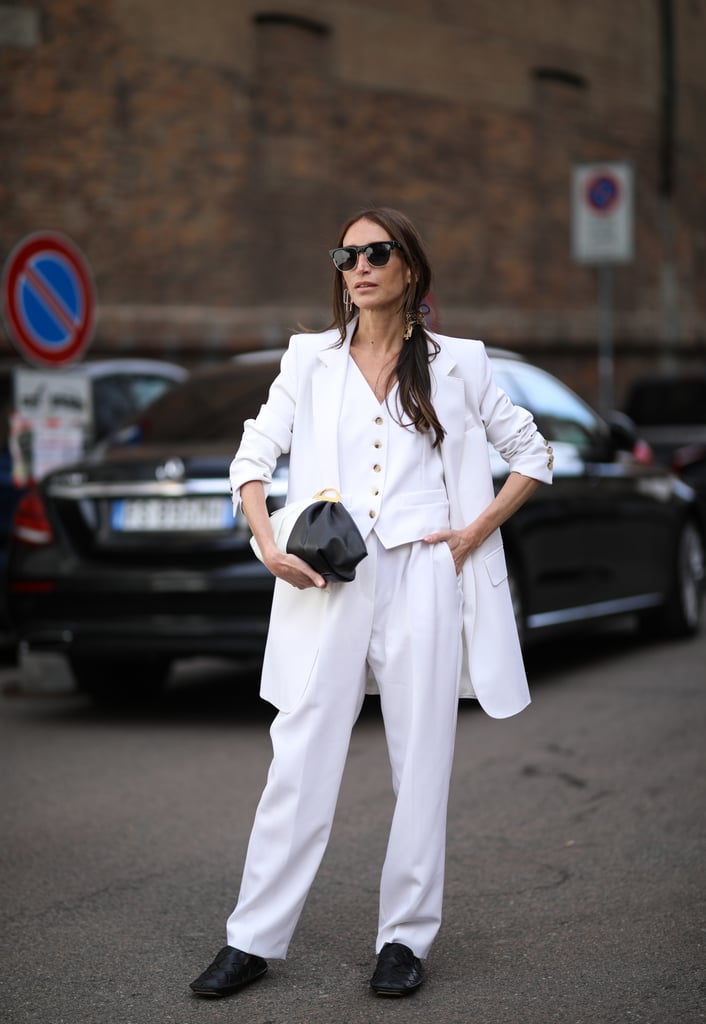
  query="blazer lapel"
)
[
  {"x": 327, "y": 394},
  {"x": 449, "y": 401}
]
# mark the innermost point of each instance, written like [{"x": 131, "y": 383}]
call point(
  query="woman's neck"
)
[{"x": 379, "y": 333}]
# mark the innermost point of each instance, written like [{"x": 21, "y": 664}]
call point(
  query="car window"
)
[
  {"x": 119, "y": 397},
  {"x": 667, "y": 402},
  {"x": 145, "y": 390},
  {"x": 111, "y": 404},
  {"x": 207, "y": 407},
  {"x": 560, "y": 414}
]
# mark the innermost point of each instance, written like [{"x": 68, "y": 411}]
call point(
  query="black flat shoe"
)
[
  {"x": 231, "y": 970},
  {"x": 398, "y": 971}
]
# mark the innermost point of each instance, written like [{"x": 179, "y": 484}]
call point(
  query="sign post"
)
[
  {"x": 48, "y": 305},
  {"x": 48, "y": 300},
  {"x": 602, "y": 234}
]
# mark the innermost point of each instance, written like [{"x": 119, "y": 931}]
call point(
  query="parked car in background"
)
[
  {"x": 117, "y": 389},
  {"x": 669, "y": 411},
  {"x": 132, "y": 558}
]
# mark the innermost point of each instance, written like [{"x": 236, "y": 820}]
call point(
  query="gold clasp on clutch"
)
[{"x": 324, "y": 494}]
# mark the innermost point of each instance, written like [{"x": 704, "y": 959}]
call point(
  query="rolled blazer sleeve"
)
[
  {"x": 512, "y": 431},
  {"x": 267, "y": 436}
]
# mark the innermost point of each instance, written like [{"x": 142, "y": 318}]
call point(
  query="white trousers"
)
[{"x": 406, "y": 606}]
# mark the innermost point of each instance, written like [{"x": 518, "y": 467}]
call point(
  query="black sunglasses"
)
[{"x": 376, "y": 253}]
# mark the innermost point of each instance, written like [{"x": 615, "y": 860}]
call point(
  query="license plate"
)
[{"x": 145, "y": 515}]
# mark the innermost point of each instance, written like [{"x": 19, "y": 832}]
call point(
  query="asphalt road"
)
[{"x": 576, "y": 870}]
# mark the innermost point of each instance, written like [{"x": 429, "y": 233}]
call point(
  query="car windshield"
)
[
  {"x": 118, "y": 396},
  {"x": 210, "y": 406}
]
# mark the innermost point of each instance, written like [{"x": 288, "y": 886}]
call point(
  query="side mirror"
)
[
  {"x": 624, "y": 437},
  {"x": 623, "y": 432}
]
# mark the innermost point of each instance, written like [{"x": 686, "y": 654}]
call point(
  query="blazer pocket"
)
[{"x": 496, "y": 566}]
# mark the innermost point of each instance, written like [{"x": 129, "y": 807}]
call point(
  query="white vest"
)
[{"x": 391, "y": 478}]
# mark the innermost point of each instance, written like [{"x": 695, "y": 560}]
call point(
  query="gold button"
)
[
  {"x": 375, "y": 492},
  {"x": 376, "y": 468},
  {"x": 377, "y": 444},
  {"x": 378, "y": 420},
  {"x": 371, "y": 513}
]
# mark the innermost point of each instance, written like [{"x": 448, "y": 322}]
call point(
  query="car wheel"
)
[
  {"x": 680, "y": 615},
  {"x": 121, "y": 682}
]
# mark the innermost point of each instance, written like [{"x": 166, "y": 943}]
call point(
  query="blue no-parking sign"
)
[
  {"x": 603, "y": 191},
  {"x": 48, "y": 300},
  {"x": 602, "y": 213}
]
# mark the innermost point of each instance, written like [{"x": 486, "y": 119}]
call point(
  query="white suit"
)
[
  {"x": 403, "y": 619},
  {"x": 304, "y": 403}
]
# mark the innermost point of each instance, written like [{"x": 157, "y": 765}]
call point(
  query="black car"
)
[
  {"x": 132, "y": 558},
  {"x": 118, "y": 389}
]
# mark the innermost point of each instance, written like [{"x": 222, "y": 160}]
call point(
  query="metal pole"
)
[
  {"x": 669, "y": 280},
  {"x": 605, "y": 339}
]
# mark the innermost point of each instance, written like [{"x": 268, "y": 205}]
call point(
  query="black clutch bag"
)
[{"x": 322, "y": 533}]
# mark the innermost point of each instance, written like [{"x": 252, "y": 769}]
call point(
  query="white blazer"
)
[{"x": 301, "y": 417}]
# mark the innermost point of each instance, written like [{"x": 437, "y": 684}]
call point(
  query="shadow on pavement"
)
[{"x": 213, "y": 691}]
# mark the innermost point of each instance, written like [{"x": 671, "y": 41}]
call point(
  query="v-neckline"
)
[{"x": 381, "y": 401}]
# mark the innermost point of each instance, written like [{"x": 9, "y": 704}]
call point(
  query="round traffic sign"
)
[
  {"x": 48, "y": 299},
  {"x": 603, "y": 192}
]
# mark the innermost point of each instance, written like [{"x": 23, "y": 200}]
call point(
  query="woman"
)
[{"x": 398, "y": 420}]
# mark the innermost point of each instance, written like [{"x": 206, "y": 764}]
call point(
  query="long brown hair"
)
[{"x": 412, "y": 368}]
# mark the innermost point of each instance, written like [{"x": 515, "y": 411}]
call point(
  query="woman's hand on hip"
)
[{"x": 460, "y": 545}]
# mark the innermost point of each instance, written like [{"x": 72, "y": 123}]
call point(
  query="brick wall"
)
[{"x": 203, "y": 157}]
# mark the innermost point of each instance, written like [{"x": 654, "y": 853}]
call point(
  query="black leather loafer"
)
[
  {"x": 398, "y": 971},
  {"x": 231, "y": 970}
]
